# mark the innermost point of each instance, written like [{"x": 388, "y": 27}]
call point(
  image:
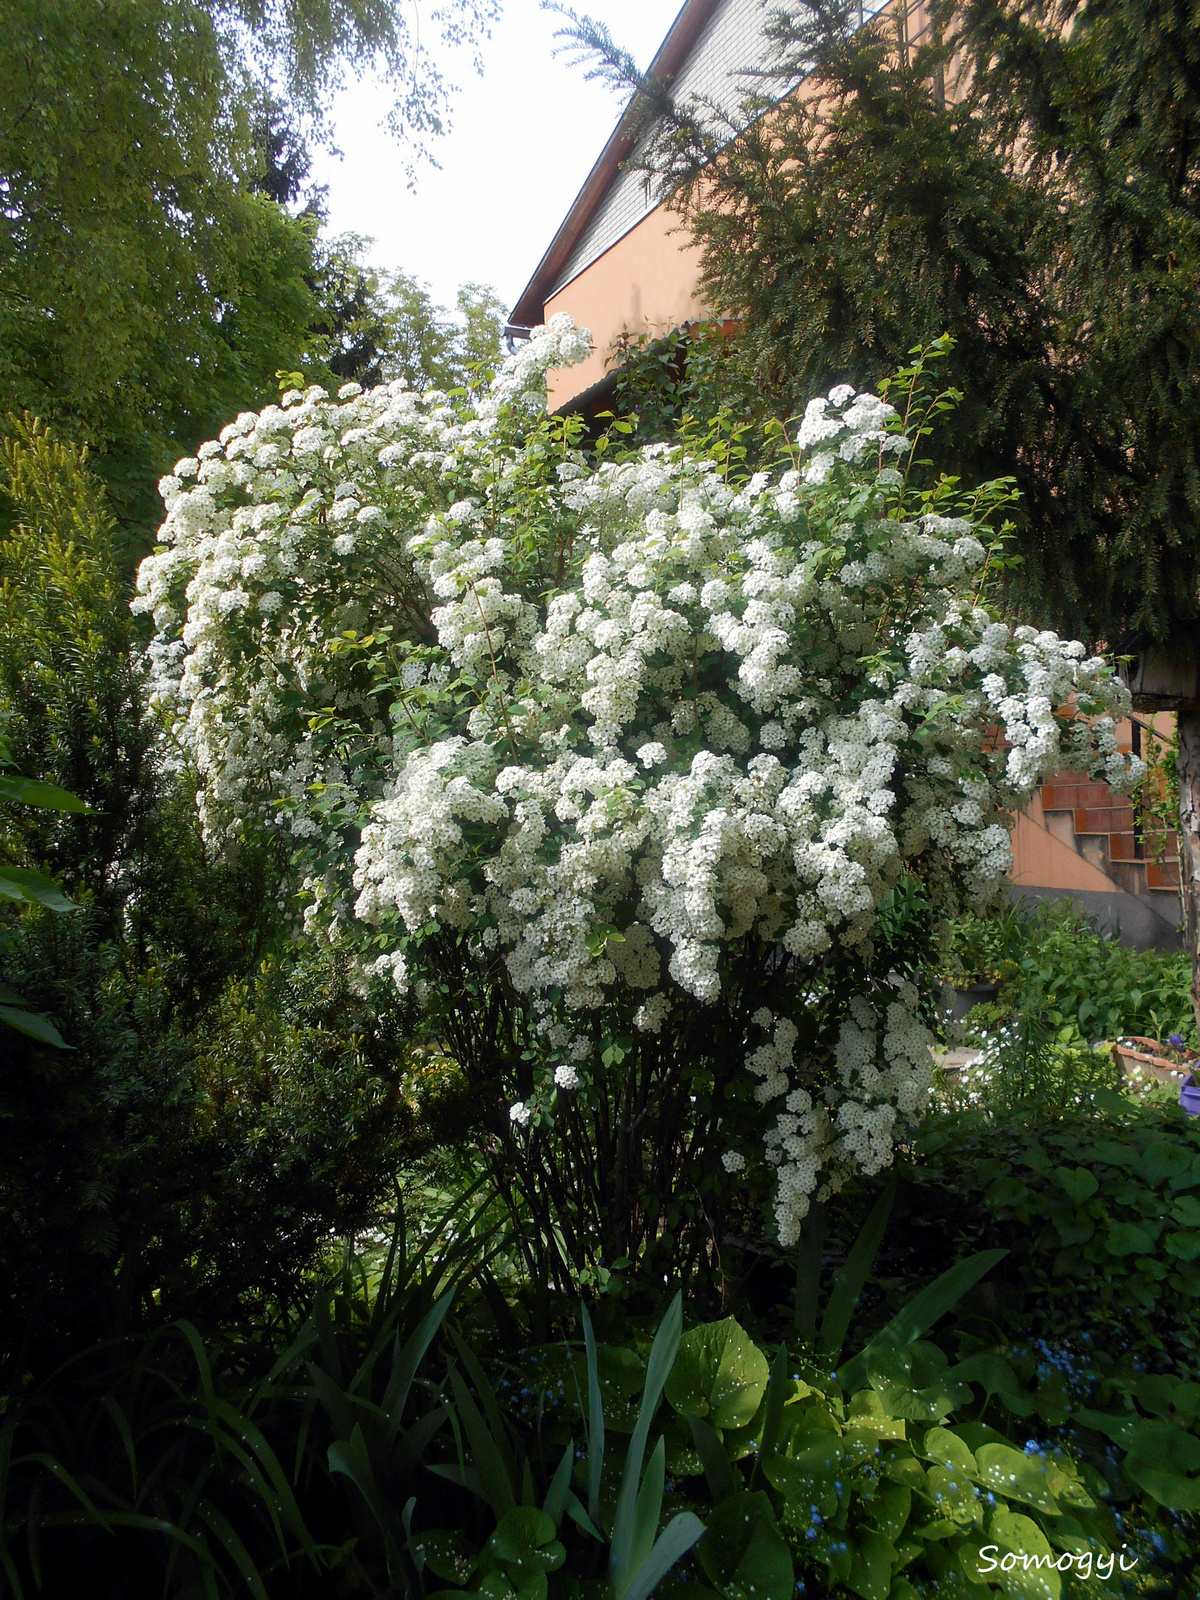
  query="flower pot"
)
[
  {"x": 1142, "y": 1058},
  {"x": 1189, "y": 1096},
  {"x": 965, "y": 1000}
]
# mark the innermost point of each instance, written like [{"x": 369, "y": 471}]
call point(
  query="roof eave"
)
[{"x": 529, "y": 310}]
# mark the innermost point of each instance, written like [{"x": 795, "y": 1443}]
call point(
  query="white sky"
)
[{"x": 525, "y": 136}]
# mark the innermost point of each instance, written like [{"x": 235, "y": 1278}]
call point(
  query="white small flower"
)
[
  {"x": 566, "y": 1077},
  {"x": 733, "y": 1161},
  {"x": 520, "y": 1114},
  {"x": 344, "y": 544},
  {"x": 652, "y": 754}
]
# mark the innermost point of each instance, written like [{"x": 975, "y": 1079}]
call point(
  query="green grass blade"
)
[
  {"x": 405, "y": 1369},
  {"x": 646, "y": 1511},
  {"x": 486, "y": 1454},
  {"x": 677, "y": 1538}
]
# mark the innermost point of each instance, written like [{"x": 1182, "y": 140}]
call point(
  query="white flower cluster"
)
[{"x": 706, "y": 718}]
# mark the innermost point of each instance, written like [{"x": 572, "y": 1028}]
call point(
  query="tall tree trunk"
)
[{"x": 1188, "y": 769}]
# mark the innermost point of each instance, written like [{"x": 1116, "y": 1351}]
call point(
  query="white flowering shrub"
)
[{"x": 653, "y": 785}]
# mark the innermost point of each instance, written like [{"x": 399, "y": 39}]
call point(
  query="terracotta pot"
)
[{"x": 1138, "y": 1055}]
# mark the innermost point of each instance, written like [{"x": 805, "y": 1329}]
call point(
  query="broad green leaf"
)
[
  {"x": 34, "y": 1026},
  {"x": 524, "y": 1538},
  {"x": 871, "y": 1569},
  {"x": 1079, "y": 1183},
  {"x": 1162, "y": 1458},
  {"x": 1036, "y": 1578},
  {"x": 807, "y": 1479},
  {"x": 743, "y": 1552},
  {"x": 1183, "y": 1246},
  {"x": 954, "y": 1496},
  {"x": 948, "y": 1450},
  {"x": 446, "y": 1555},
  {"x": 1166, "y": 1396},
  {"x": 997, "y": 1378},
  {"x": 33, "y": 889},
  {"x": 1126, "y": 1239},
  {"x": 1015, "y": 1475},
  {"x": 889, "y": 1509},
  {"x": 33, "y": 792},
  {"x": 720, "y": 1374}
]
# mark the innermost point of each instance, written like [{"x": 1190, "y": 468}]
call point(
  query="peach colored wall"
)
[
  {"x": 645, "y": 283},
  {"x": 1042, "y": 860}
]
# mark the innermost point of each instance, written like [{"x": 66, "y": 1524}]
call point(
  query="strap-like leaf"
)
[
  {"x": 658, "y": 1368},
  {"x": 853, "y": 1276},
  {"x": 713, "y": 1458},
  {"x": 647, "y": 1509},
  {"x": 34, "y": 792},
  {"x": 498, "y": 1488},
  {"x": 920, "y": 1314},
  {"x": 33, "y": 888},
  {"x": 34, "y": 1026},
  {"x": 560, "y": 1486},
  {"x": 595, "y": 1415},
  {"x": 676, "y": 1539},
  {"x": 405, "y": 1370}
]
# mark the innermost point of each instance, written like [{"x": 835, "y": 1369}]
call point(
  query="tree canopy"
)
[{"x": 152, "y": 279}]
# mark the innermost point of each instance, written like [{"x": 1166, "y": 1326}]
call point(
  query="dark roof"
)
[{"x": 673, "y": 53}]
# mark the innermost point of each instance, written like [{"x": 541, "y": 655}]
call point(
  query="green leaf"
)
[
  {"x": 743, "y": 1552},
  {"x": 1016, "y": 1476},
  {"x": 853, "y": 1276},
  {"x": 1079, "y": 1183},
  {"x": 871, "y": 1570},
  {"x": 1161, "y": 1455},
  {"x": 948, "y": 1450},
  {"x": 1022, "y": 1536},
  {"x": 676, "y": 1539},
  {"x": 446, "y": 1555},
  {"x": 34, "y": 1026},
  {"x": 717, "y": 1471},
  {"x": 33, "y": 792},
  {"x": 662, "y": 1358},
  {"x": 524, "y": 1538},
  {"x": 997, "y": 1378},
  {"x": 33, "y": 888},
  {"x": 720, "y": 1374},
  {"x": 921, "y": 1312},
  {"x": 1126, "y": 1239},
  {"x": 807, "y": 1477}
]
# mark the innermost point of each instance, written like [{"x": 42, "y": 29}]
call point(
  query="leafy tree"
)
[
  {"x": 225, "y": 1101},
  {"x": 377, "y": 326},
  {"x": 151, "y": 283}
]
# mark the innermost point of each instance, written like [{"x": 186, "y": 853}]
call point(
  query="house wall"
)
[
  {"x": 645, "y": 280},
  {"x": 645, "y": 283}
]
